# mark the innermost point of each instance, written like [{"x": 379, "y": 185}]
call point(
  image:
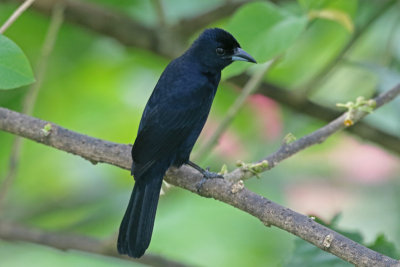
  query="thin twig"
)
[
  {"x": 250, "y": 87},
  {"x": 268, "y": 212},
  {"x": 310, "y": 87},
  {"x": 15, "y": 232},
  {"x": 390, "y": 142},
  {"x": 30, "y": 98},
  {"x": 316, "y": 137},
  {"x": 15, "y": 15},
  {"x": 160, "y": 10},
  {"x": 47, "y": 48}
]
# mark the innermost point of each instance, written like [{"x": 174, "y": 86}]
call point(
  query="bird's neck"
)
[
  {"x": 212, "y": 77},
  {"x": 204, "y": 65}
]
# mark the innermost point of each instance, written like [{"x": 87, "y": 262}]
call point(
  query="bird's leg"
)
[{"x": 205, "y": 172}]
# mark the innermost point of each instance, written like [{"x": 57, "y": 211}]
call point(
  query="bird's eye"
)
[{"x": 220, "y": 51}]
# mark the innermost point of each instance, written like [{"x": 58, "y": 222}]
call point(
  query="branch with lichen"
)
[{"x": 230, "y": 190}]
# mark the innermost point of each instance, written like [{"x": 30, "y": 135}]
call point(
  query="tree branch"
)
[
  {"x": 316, "y": 137},
  {"x": 234, "y": 194},
  {"x": 288, "y": 98},
  {"x": 160, "y": 10},
  {"x": 18, "y": 12},
  {"x": 15, "y": 232}
]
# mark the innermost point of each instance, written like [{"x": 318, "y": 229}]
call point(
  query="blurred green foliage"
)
[
  {"x": 265, "y": 30},
  {"x": 305, "y": 254},
  {"x": 98, "y": 87}
]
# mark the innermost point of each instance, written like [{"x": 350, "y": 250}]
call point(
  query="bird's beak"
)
[{"x": 241, "y": 55}]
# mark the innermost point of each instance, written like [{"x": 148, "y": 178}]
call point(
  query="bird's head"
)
[{"x": 217, "y": 48}]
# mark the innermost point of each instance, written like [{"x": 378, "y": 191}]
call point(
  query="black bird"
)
[{"x": 171, "y": 123}]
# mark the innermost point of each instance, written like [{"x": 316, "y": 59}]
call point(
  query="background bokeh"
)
[{"x": 97, "y": 86}]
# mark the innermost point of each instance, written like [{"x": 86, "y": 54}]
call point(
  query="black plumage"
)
[{"x": 171, "y": 123}]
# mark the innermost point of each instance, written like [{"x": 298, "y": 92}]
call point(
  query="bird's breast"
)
[{"x": 212, "y": 78}]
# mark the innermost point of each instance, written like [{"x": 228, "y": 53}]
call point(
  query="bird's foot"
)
[
  {"x": 207, "y": 175},
  {"x": 211, "y": 175}
]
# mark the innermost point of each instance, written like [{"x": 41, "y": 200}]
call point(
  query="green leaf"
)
[
  {"x": 348, "y": 6},
  {"x": 339, "y": 11},
  {"x": 382, "y": 245},
  {"x": 336, "y": 15},
  {"x": 305, "y": 254},
  {"x": 278, "y": 38},
  {"x": 15, "y": 70},
  {"x": 265, "y": 31},
  {"x": 313, "y": 4}
]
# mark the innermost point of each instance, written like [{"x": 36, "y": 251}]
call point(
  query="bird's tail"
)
[{"x": 137, "y": 225}]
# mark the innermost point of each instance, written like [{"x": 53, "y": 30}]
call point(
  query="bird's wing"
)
[{"x": 163, "y": 129}]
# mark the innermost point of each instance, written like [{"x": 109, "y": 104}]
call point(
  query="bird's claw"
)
[
  {"x": 211, "y": 175},
  {"x": 200, "y": 184},
  {"x": 207, "y": 175}
]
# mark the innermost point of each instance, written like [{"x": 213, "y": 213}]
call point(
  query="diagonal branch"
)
[
  {"x": 18, "y": 12},
  {"x": 14, "y": 232},
  {"x": 158, "y": 5},
  {"x": 288, "y": 98},
  {"x": 234, "y": 194},
  {"x": 316, "y": 137}
]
